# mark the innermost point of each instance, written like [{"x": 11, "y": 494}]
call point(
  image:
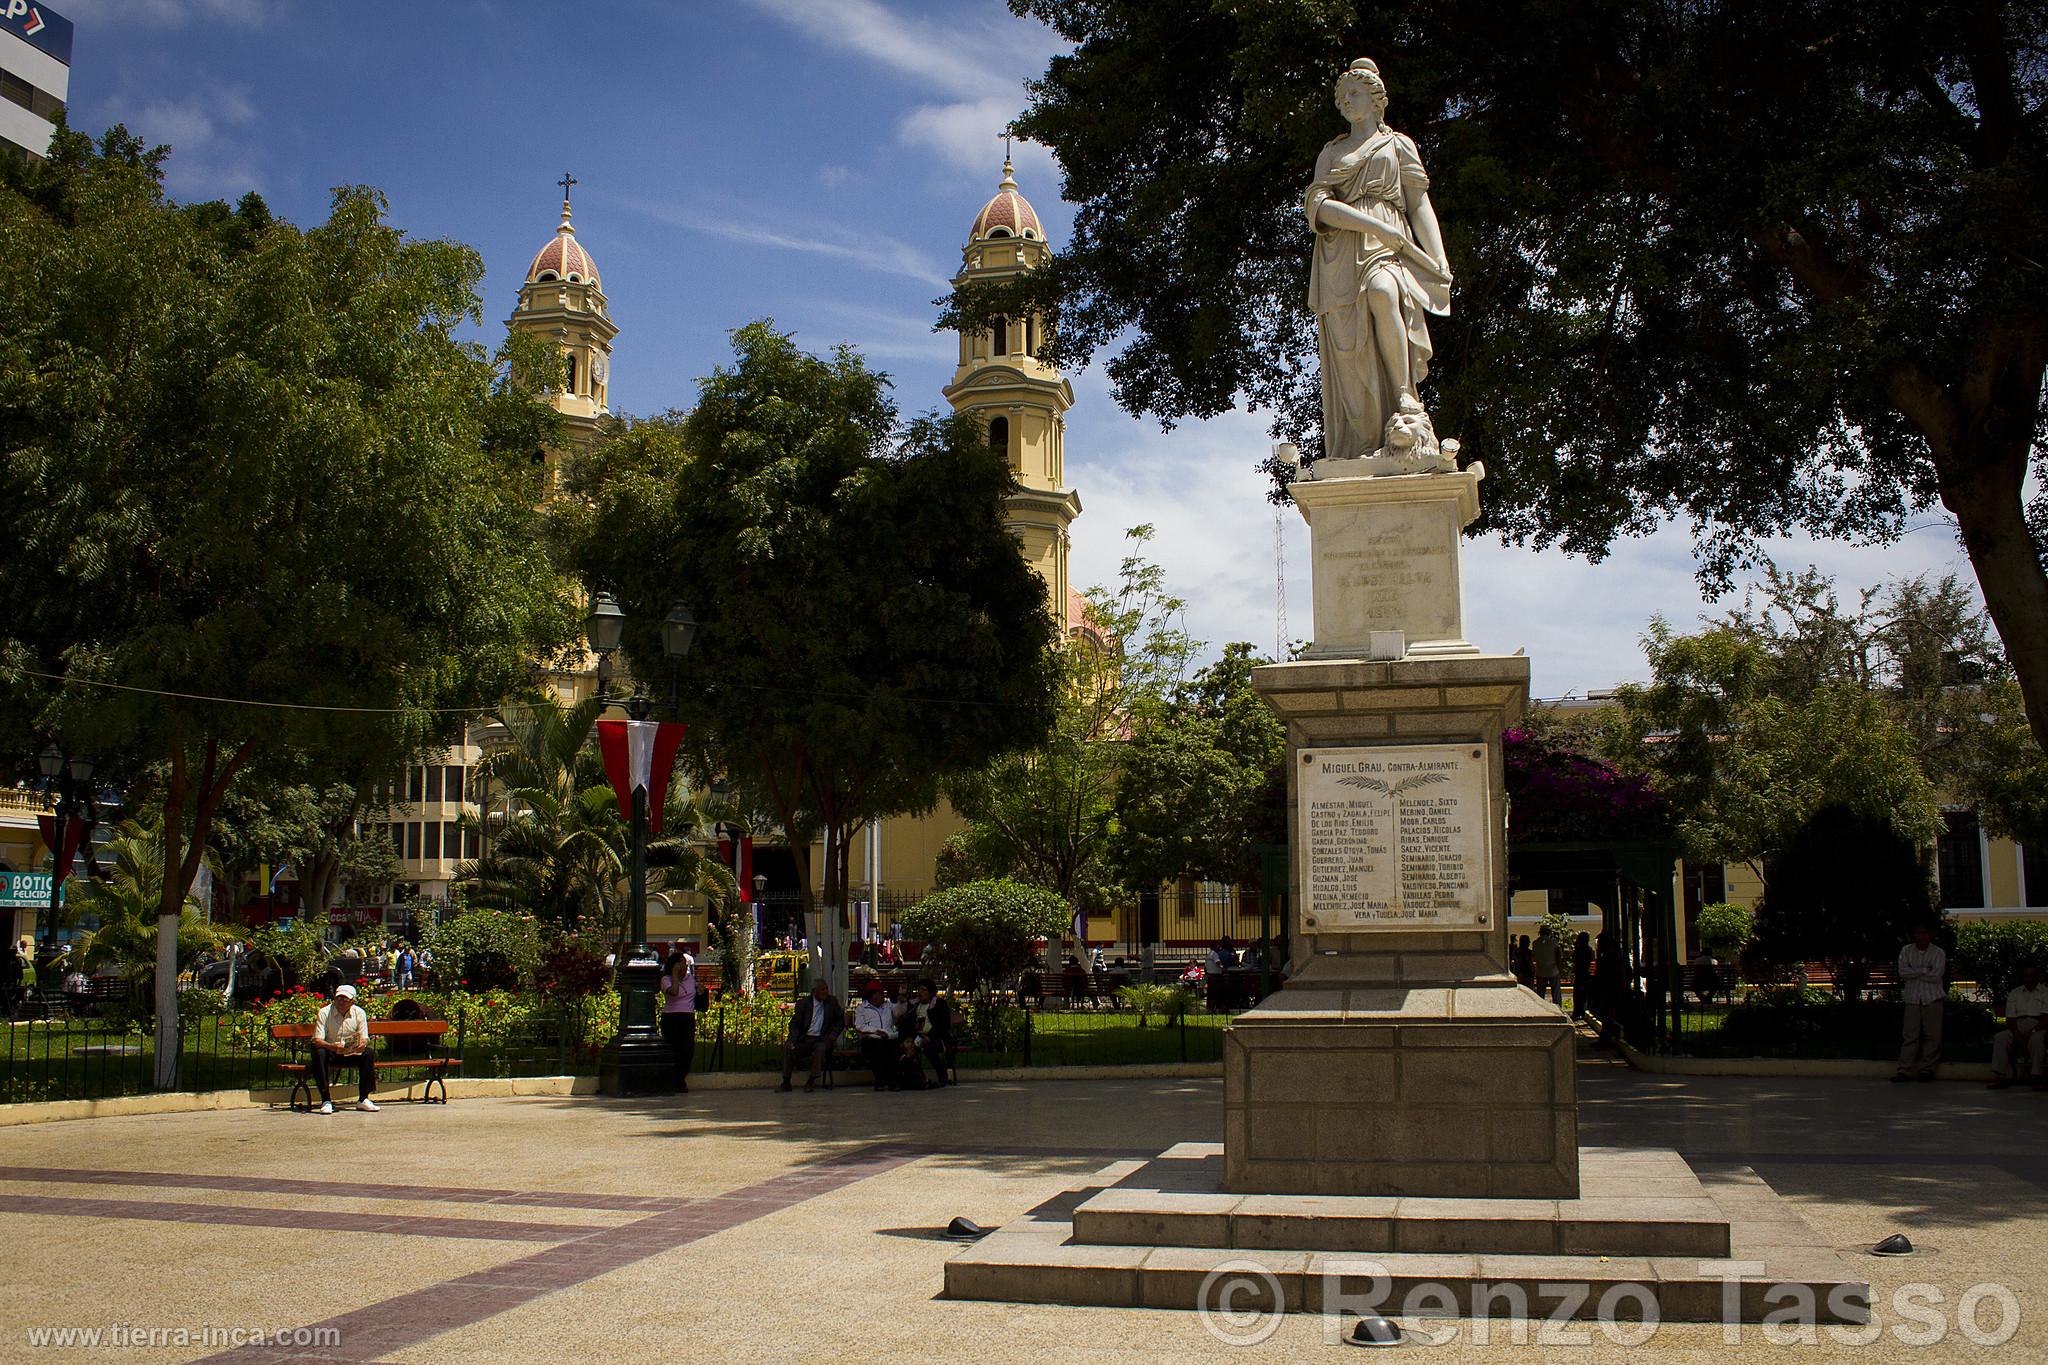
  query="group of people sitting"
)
[{"x": 897, "y": 1039}]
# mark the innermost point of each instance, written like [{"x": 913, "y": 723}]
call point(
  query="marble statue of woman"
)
[{"x": 1379, "y": 266}]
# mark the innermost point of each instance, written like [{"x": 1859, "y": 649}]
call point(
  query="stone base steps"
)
[{"x": 1164, "y": 1234}]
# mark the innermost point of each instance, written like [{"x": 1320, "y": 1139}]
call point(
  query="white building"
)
[{"x": 35, "y": 75}]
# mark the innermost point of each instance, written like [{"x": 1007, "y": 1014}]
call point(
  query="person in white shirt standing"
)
[
  {"x": 2026, "y": 1009},
  {"x": 1923, "y": 971},
  {"x": 341, "y": 1037}
]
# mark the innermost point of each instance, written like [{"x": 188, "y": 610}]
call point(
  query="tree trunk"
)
[
  {"x": 182, "y": 860},
  {"x": 1988, "y": 510}
]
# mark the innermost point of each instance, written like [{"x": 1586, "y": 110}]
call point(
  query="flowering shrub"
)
[
  {"x": 1558, "y": 796},
  {"x": 758, "y": 1019}
]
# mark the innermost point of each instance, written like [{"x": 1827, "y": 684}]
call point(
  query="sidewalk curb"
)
[
  {"x": 1835, "y": 1068},
  {"x": 499, "y": 1087}
]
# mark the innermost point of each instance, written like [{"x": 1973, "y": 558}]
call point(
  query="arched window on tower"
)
[
  {"x": 572, "y": 374},
  {"x": 1030, "y": 335},
  {"x": 999, "y": 436},
  {"x": 1002, "y": 337}
]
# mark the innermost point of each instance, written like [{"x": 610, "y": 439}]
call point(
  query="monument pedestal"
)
[{"x": 1403, "y": 1058}]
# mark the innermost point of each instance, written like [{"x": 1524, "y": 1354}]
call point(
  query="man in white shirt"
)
[
  {"x": 341, "y": 1037},
  {"x": 874, "y": 1020},
  {"x": 2026, "y": 1009},
  {"x": 1923, "y": 972}
]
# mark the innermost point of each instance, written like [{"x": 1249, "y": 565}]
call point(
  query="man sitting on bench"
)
[
  {"x": 341, "y": 1037},
  {"x": 814, "y": 1030}
]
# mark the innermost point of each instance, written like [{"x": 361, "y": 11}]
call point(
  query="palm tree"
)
[
  {"x": 125, "y": 902},
  {"x": 556, "y": 844}
]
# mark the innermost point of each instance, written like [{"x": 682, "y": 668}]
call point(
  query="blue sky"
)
[{"x": 813, "y": 161}]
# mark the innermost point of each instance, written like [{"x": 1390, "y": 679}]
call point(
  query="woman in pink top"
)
[{"x": 682, "y": 994}]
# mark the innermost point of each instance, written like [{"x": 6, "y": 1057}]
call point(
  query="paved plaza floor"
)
[{"x": 742, "y": 1225}]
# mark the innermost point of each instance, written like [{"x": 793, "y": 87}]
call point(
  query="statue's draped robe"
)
[{"x": 1381, "y": 178}]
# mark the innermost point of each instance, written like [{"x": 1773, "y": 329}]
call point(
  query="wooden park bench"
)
[{"x": 437, "y": 1063}]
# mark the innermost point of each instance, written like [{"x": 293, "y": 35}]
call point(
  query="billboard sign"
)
[
  {"x": 36, "y": 24},
  {"x": 26, "y": 890}
]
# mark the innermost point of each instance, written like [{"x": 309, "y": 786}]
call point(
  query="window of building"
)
[
  {"x": 999, "y": 436},
  {"x": 572, "y": 374},
  {"x": 413, "y": 778},
  {"x": 2033, "y": 877},
  {"x": 1001, "y": 333},
  {"x": 433, "y": 782},
  {"x": 1030, "y": 335},
  {"x": 451, "y": 840},
  {"x": 17, "y": 90},
  {"x": 397, "y": 839},
  {"x": 431, "y": 849},
  {"x": 412, "y": 841},
  {"x": 1959, "y": 861},
  {"x": 472, "y": 844},
  {"x": 452, "y": 790}
]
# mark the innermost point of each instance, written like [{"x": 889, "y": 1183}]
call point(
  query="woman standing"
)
[
  {"x": 1379, "y": 266},
  {"x": 681, "y": 996}
]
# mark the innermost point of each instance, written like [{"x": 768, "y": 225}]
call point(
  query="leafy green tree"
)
[
  {"x": 486, "y": 949},
  {"x": 1047, "y": 814},
  {"x": 1992, "y": 952},
  {"x": 557, "y": 847},
  {"x": 987, "y": 931},
  {"x": 1772, "y": 269},
  {"x": 1726, "y": 929},
  {"x": 123, "y": 895},
  {"x": 866, "y": 623},
  {"x": 319, "y": 832},
  {"x": 265, "y": 469},
  {"x": 1749, "y": 730},
  {"x": 1847, "y": 888},
  {"x": 1203, "y": 783}
]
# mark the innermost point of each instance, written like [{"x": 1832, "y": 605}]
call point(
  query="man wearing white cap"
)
[{"x": 341, "y": 1037}]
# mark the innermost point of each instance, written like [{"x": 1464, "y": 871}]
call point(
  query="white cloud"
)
[
  {"x": 209, "y": 158},
  {"x": 107, "y": 14},
  {"x": 832, "y": 177},
  {"x": 881, "y": 334},
  {"x": 927, "y": 53},
  {"x": 967, "y": 136},
  {"x": 869, "y": 250},
  {"x": 979, "y": 62}
]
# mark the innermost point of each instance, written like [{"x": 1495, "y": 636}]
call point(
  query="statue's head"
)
[
  {"x": 1359, "y": 84},
  {"x": 1411, "y": 436}
]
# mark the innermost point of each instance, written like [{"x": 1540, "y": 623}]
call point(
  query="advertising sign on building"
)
[
  {"x": 36, "y": 24},
  {"x": 26, "y": 890}
]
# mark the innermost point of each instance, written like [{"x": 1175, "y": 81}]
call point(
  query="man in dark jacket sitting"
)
[
  {"x": 928, "y": 1032},
  {"x": 813, "y": 1031}
]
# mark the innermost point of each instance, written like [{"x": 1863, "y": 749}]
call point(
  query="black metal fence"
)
[{"x": 94, "y": 1058}]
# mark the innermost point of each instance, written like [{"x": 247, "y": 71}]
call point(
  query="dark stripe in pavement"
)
[
  {"x": 396, "y": 1324},
  {"x": 246, "y": 1216},
  {"x": 345, "y": 1189}
]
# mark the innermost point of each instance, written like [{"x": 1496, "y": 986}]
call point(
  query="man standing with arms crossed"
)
[
  {"x": 1923, "y": 972},
  {"x": 341, "y": 1037}
]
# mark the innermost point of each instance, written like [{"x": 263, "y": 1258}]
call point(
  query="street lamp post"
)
[
  {"x": 72, "y": 780},
  {"x": 638, "y": 1061}
]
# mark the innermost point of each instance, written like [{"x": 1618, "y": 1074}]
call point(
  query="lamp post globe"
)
[
  {"x": 605, "y": 625},
  {"x": 678, "y": 632},
  {"x": 50, "y": 760}
]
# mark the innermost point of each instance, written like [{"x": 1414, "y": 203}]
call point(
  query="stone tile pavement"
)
[{"x": 752, "y": 1225}]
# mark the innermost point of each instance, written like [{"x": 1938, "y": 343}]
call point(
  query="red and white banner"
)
[
  {"x": 74, "y": 829},
  {"x": 640, "y": 754}
]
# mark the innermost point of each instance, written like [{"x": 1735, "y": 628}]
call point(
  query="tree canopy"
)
[
  {"x": 266, "y": 496},
  {"x": 1769, "y": 268},
  {"x": 866, "y": 623}
]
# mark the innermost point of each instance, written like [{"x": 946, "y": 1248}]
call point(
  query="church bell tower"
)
[
  {"x": 563, "y": 302},
  {"x": 1020, "y": 400}
]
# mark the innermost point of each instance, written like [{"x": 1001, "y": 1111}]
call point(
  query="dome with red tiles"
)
[
  {"x": 1009, "y": 214},
  {"x": 564, "y": 258}
]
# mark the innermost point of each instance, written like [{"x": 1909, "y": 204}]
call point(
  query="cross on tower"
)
[
  {"x": 1006, "y": 146},
  {"x": 565, "y": 182}
]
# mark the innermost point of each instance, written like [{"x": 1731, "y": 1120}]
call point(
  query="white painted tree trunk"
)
[{"x": 167, "y": 1002}]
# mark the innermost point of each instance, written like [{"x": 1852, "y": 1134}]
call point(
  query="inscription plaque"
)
[{"x": 1395, "y": 837}]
